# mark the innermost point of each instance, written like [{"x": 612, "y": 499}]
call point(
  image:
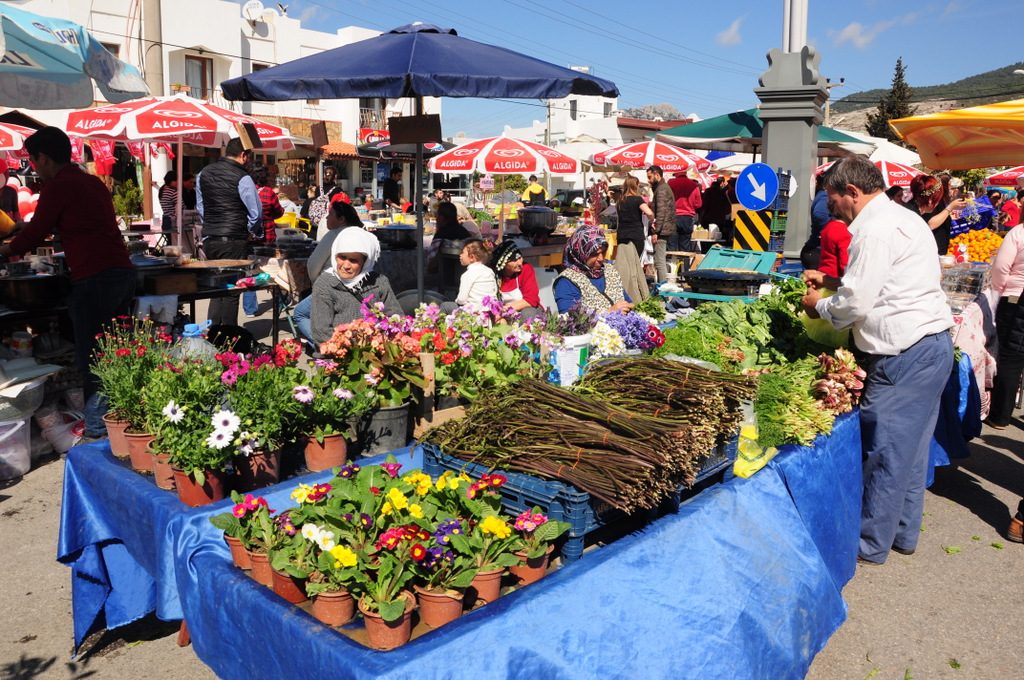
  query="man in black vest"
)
[{"x": 229, "y": 206}]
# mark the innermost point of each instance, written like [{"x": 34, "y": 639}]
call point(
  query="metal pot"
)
[
  {"x": 537, "y": 218},
  {"x": 34, "y": 292}
]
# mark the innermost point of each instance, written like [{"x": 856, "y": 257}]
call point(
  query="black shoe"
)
[
  {"x": 996, "y": 426},
  {"x": 904, "y": 551},
  {"x": 867, "y": 563}
]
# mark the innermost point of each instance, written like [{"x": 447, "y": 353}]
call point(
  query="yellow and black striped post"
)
[{"x": 752, "y": 230}]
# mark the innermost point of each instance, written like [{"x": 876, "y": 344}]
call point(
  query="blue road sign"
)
[{"x": 757, "y": 187}]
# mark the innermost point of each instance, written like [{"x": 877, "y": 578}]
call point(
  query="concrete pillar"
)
[{"x": 792, "y": 93}]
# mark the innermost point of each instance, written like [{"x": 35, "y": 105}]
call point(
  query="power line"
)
[{"x": 915, "y": 100}]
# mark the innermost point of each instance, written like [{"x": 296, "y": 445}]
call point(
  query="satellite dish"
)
[{"x": 252, "y": 10}]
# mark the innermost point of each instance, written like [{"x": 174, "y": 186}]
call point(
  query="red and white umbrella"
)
[
  {"x": 12, "y": 139},
  {"x": 894, "y": 174},
  {"x": 172, "y": 119},
  {"x": 1006, "y": 178},
  {"x": 503, "y": 156},
  {"x": 668, "y": 157}
]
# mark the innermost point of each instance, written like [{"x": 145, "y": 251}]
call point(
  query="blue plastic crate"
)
[{"x": 564, "y": 502}]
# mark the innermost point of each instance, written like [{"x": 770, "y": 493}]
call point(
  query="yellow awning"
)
[{"x": 977, "y": 137}]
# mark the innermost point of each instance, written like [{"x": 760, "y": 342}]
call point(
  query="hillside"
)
[{"x": 993, "y": 86}]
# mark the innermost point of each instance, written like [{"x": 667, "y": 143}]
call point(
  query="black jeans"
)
[
  {"x": 1009, "y": 361},
  {"x": 224, "y": 311},
  {"x": 94, "y": 302},
  {"x": 684, "y": 232}
]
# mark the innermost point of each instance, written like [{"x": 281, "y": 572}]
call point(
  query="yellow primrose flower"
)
[
  {"x": 454, "y": 482},
  {"x": 416, "y": 511},
  {"x": 343, "y": 557},
  {"x": 420, "y": 482},
  {"x": 495, "y": 526},
  {"x": 441, "y": 484},
  {"x": 398, "y": 499},
  {"x": 301, "y": 493},
  {"x": 385, "y": 509}
]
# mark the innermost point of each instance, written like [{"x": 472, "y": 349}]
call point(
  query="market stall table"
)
[
  {"x": 215, "y": 293},
  {"x": 746, "y": 578}
]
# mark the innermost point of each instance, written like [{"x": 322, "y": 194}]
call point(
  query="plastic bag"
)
[
  {"x": 822, "y": 331},
  {"x": 750, "y": 455}
]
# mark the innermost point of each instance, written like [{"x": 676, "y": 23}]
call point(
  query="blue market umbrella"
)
[
  {"x": 52, "y": 63},
  {"x": 417, "y": 60}
]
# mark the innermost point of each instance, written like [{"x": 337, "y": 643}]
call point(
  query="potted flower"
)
[
  {"x": 333, "y": 583},
  {"x": 377, "y": 355},
  {"x": 295, "y": 559},
  {"x": 537, "y": 534},
  {"x": 241, "y": 525},
  {"x": 192, "y": 433},
  {"x": 324, "y": 410},
  {"x": 445, "y": 572},
  {"x": 127, "y": 352},
  {"x": 260, "y": 392},
  {"x": 489, "y": 538},
  {"x": 386, "y": 604}
]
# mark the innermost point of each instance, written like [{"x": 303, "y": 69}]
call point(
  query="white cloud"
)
[
  {"x": 861, "y": 36},
  {"x": 308, "y": 14},
  {"x": 951, "y": 8},
  {"x": 731, "y": 35}
]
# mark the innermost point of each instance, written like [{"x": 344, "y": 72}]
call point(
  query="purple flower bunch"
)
[
  {"x": 348, "y": 471},
  {"x": 391, "y": 326},
  {"x": 284, "y": 523},
  {"x": 578, "y": 320},
  {"x": 633, "y": 329},
  {"x": 437, "y": 556},
  {"x": 365, "y": 521},
  {"x": 446, "y": 529}
]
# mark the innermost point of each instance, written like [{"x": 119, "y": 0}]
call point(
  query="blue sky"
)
[{"x": 702, "y": 58}]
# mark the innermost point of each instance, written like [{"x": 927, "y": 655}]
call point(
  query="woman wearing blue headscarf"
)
[{"x": 587, "y": 280}]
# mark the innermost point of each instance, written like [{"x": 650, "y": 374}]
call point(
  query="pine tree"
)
[{"x": 896, "y": 104}]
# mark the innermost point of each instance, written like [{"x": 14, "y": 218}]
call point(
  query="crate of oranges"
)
[{"x": 981, "y": 244}]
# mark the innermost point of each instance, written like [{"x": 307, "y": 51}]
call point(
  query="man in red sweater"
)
[
  {"x": 688, "y": 202},
  {"x": 78, "y": 208}
]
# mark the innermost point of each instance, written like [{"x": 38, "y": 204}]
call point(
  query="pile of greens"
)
[
  {"x": 653, "y": 308},
  {"x": 786, "y": 408},
  {"x": 740, "y": 337}
]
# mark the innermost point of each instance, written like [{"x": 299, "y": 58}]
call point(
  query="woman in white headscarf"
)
[{"x": 340, "y": 290}]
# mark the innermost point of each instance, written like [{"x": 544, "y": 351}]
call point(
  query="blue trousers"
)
[
  {"x": 684, "y": 232},
  {"x": 898, "y": 414},
  {"x": 249, "y": 303},
  {"x": 302, "y": 316}
]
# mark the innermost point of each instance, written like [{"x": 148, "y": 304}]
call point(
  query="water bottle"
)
[{"x": 192, "y": 344}]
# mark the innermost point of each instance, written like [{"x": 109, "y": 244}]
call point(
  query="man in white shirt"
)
[{"x": 891, "y": 299}]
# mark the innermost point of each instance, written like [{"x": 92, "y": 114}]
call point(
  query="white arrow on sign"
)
[{"x": 759, "y": 189}]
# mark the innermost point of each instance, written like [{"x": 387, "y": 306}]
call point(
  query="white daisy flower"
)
[
  {"x": 173, "y": 412},
  {"x": 226, "y": 421},
  {"x": 218, "y": 439}
]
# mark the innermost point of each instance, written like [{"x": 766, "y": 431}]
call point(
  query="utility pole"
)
[
  {"x": 547, "y": 142},
  {"x": 828, "y": 102}
]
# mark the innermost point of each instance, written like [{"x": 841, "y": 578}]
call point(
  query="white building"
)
[
  {"x": 582, "y": 125},
  {"x": 192, "y": 46}
]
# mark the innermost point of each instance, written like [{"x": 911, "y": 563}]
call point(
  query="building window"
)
[
  {"x": 607, "y": 109},
  {"x": 256, "y": 66},
  {"x": 572, "y": 109},
  {"x": 199, "y": 76},
  {"x": 113, "y": 48}
]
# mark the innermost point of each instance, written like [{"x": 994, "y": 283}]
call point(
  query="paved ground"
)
[{"x": 952, "y": 610}]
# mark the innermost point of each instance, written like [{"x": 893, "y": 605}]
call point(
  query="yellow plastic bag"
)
[
  {"x": 822, "y": 331},
  {"x": 751, "y": 456}
]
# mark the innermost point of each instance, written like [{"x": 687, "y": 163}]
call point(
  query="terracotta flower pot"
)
[
  {"x": 389, "y": 635},
  {"x": 292, "y": 589},
  {"x": 332, "y": 453},
  {"x": 138, "y": 451},
  {"x": 258, "y": 469},
  {"x": 115, "y": 431},
  {"x": 439, "y": 607},
  {"x": 334, "y": 608},
  {"x": 261, "y": 570},
  {"x": 485, "y": 588},
  {"x": 214, "y": 487},
  {"x": 531, "y": 570},
  {"x": 163, "y": 473},
  {"x": 239, "y": 555}
]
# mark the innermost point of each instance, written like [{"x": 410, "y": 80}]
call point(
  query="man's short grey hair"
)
[{"x": 855, "y": 170}]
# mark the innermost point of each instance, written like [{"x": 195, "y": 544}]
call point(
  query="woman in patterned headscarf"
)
[
  {"x": 517, "y": 282},
  {"x": 587, "y": 280}
]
